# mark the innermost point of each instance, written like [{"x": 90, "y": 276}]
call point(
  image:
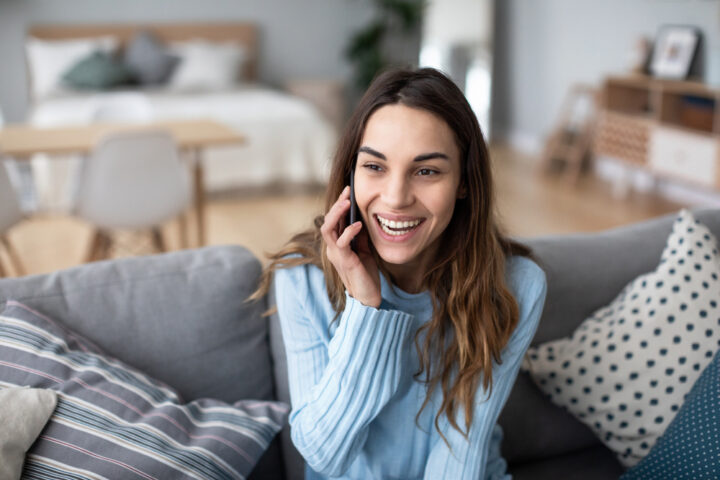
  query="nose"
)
[{"x": 397, "y": 192}]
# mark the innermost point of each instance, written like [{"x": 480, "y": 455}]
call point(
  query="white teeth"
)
[
  {"x": 405, "y": 227},
  {"x": 394, "y": 224}
]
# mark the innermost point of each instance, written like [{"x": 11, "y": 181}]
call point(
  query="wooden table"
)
[{"x": 21, "y": 142}]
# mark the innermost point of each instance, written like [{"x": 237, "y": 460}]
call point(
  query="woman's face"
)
[{"x": 407, "y": 180}]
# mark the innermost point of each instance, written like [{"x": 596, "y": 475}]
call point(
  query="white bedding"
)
[{"x": 288, "y": 139}]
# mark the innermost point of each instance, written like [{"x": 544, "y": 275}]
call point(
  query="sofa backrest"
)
[{"x": 180, "y": 317}]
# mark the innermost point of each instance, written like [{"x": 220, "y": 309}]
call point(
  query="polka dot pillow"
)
[{"x": 627, "y": 369}]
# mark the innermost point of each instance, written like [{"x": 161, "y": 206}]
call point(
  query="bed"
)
[{"x": 289, "y": 141}]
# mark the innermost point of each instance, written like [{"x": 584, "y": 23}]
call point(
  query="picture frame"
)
[{"x": 674, "y": 51}]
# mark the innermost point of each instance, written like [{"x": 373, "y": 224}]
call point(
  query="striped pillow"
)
[{"x": 113, "y": 421}]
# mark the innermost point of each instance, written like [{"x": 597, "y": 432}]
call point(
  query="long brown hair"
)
[{"x": 474, "y": 313}]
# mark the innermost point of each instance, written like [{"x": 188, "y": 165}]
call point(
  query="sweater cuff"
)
[{"x": 364, "y": 328}]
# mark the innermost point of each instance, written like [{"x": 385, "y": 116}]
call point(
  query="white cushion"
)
[
  {"x": 48, "y": 60},
  {"x": 206, "y": 66},
  {"x": 626, "y": 370},
  {"x": 23, "y": 414}
]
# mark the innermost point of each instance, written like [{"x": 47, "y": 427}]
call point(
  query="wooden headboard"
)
[{"x": 242, "y": 33}]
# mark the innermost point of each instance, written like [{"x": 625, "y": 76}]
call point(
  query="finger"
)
[
  {"x": 348, "y": 234},
  {"x": 336, "y": 214},
  {"x": 334, "y": 221}
]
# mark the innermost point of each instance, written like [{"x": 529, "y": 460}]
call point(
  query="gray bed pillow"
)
[{"x": 149, "y": 59}]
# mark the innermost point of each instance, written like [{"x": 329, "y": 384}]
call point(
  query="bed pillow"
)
[
  {"x": 23, "y": 414},
  {"x": 690, "y": 447},
  {"x": 48, "y": 60},
  {"x": 626, "y": 370},
  {"x": 114, "y": 421},
  {"x": 150, "y": 61},
  {"x": 98, "y": 71},
  {"x": 207, "y": 66}
]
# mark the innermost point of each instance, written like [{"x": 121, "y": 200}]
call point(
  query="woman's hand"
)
[{"x": 358, "y": 270}]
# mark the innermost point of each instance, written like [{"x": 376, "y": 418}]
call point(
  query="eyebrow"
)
[{"x": 419, "y": 158}]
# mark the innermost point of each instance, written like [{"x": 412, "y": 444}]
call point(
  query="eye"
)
[
  {"x": 372, "y": 166},
  {"x": 424, "y": 172}
]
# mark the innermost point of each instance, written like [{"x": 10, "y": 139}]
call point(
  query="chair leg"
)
[
  {"x": 94, "y": 244},
  {"x": 105, "y": 245},
  {"x": 14, "y": 257},
  {"x": 99, "y": 246},
  {"x": 158, "y": 240},
  {"x": 182, "y": 230}
]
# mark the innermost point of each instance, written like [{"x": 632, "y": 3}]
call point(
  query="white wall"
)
[
  {"x": 298, "y": 38},
  {"x": 543, "y": 47},
  {"x": 458, "y": 21}
]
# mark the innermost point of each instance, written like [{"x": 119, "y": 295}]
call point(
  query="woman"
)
[{"x": 402, "y": 350}]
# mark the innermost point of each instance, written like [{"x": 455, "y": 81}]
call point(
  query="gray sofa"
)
[{"x": 182, "y": 318}]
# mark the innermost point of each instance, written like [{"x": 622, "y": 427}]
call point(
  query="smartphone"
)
[{"x": 353, "y": 215}]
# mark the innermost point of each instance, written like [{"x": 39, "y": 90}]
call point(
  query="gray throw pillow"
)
[
  {"x": 23, "y": 414},
  {"x": 98, "y": 71},
  {"x": 149, "y": 60}
]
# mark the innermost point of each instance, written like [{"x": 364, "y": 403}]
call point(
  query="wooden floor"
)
[{"x": 529, "y": 202}]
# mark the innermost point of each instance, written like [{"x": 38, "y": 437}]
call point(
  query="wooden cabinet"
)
[
  {"x": 670, "y": 128},
  {"x": 687, "y": 156}
]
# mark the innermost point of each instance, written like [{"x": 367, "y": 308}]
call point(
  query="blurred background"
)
[{"x": 598, "y": 114}]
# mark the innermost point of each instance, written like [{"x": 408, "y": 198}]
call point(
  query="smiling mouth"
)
[{"x": 394, "y": 228}]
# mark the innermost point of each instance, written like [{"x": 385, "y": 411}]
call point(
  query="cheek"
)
[
  {"x": 442, "y": 204},
  {"x": 363, "y": 196}
]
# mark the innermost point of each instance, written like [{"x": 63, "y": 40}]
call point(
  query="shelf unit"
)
[{"x": 669, "y": 128}]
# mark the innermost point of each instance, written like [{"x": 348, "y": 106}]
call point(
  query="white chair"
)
[
  {"x": 10, "y": 214},
  {"x": 20, "y": 176},
  {"x": 132, "y": 181}
]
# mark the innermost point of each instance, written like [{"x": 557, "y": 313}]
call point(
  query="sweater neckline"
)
[{"x": 395, "y": 294}]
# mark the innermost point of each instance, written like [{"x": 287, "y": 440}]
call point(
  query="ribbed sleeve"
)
[
  {"x": 338, "y": 383},
  {"x": 478, "y": 457}
]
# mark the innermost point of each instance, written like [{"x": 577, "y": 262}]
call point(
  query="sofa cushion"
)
[
  {"x": 627, "y": 368},
  {"x": 690, "y": 447},
  {"x": 115, "y": 421},
  {"x": 595, "y": 463},
  {"x": 580, "y": 280},
  {"x": 180, "y": 317}
]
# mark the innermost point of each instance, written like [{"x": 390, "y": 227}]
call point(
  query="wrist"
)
[{"x": 367, "y": 301}]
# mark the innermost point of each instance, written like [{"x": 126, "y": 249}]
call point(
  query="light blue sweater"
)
[{"x": 354, "y": 399}]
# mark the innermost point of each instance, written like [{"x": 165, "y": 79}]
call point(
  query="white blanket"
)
[{"x": 288, "y": 140}]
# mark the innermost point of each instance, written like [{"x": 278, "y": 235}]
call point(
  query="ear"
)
[{"x": 462, "y": 191}]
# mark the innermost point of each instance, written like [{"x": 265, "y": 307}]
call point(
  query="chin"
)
[{"x": 396, "y": 256}]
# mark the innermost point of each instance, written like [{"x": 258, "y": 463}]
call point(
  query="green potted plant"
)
[{"x": 369, "y": 48}]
